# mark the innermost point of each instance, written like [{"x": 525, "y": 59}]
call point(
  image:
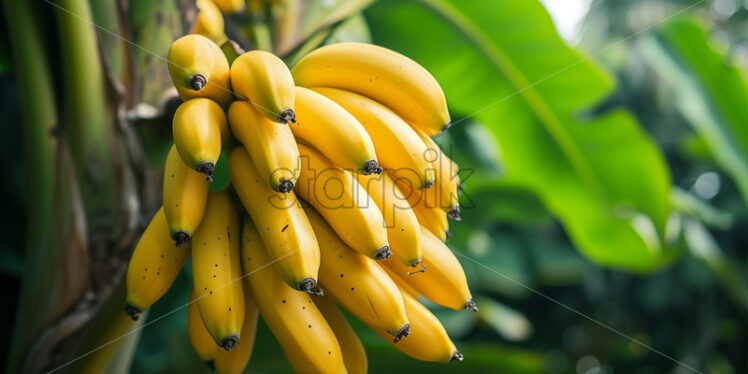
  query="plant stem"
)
[{"x": 39, "y": 113}]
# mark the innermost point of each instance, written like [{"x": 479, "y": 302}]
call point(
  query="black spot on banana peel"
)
[
  {"x": 371, "y": 167},
  {"x": 207, "y": 168},
  {"x": 229, "y": 342},
  {"x": 180, "y": 237},
  {"x": 287, "y": 116},
  {"x": 470, "y": 305},
  {"x": 285, "y": 186},
  {"x": 457, "y": 356},
  {"x": 382, "y": 253},
  {"x": 403, "y": 332},
  {"x": 133, "y": 311},
  {"x": 197, "y": 82}
]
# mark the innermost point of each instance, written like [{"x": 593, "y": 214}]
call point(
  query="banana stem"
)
[
  {"x": 86, "y": 112},
  {"x": 38, "y": 109}
]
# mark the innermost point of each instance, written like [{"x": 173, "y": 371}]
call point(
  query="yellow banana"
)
[
  {"x": 198, "y": 68},
  {"x": 402, "y": 224},
  {"x": 155, "y": 263},
  {"x": 270, "y": 144},
  {"x": 197, "y": 131},
  {"x": 401, "y": 283},
  {"x": 209, "y": 22},
  {"x": 398, "y": 147},
  {"x": 307, "y": 340},
  {"x": 235, "y": 361},
  {"x": 265, "y": 80},
  {"x": 336, "y": 195},
  {"x": 184, "y": 195},
  {"x": 231, "y": 6},
  {"x": 428, "y": 341},
  {"x": 358, "y": 283},
  {"x": 354, "y": 355},
  {"x": 430, "y": 216},
  {"x": 328, "y": 127},
  {"x": 444, "y": 194},
  {"x": 380, "y": 74},
  {"x": 443, "y": 279},
  {"x": 216, "y": 271},
  {"x": 284, "y": 227},
  {"x": 200, "y": 338}
]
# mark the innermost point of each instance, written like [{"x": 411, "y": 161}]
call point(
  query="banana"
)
[
  {"x": 358, "y": 283},
  {"x": 231, "y": 6},
  {"x": 444, "y": 194},
  {"x": 265, "y": 80},
  {"x": 354, "y": 355},
  {"x": 198, "y": 68},
  {"x": 336, "y": 195},
  {"x": 398, "y": 147},
  {"x": 284, "y": 227},
  {"x": 307, "y": 340},
  {"x": 200, "y": 338},
  {"x": 185, "y": 193},
  {"x": 270, "y": 144},
  {"x": 428, "y": 341},
  {"x": 328, "y": 127},
  {"x": 155, "y": 263},
  {"x": 443, "y": 279},
  {"x": 209, "y": 22},
  {"x": 197, "y": 128},
  {"x": 380, "y": 74},
  {"x": 401, "y": 283},
  {"x": 235, "y": 361},
  {"x": 430, "y": 216},
  {"x": 402, "y": 224},
  {"x": 216, "y": 271}
]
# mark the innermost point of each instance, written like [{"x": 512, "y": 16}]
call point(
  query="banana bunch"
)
[{"x": 337, "y": 197}]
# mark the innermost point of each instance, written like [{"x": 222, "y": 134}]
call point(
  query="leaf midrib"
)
[{"x": 547, "y": 116}]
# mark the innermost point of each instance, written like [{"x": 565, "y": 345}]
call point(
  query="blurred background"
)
[{"x": 603, "y": 145}]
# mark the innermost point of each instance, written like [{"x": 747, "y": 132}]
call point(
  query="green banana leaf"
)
[
  {"x": 504, "y": 63},
  {"x": 708, "y": 91}
]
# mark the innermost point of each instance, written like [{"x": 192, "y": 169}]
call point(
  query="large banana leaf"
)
[
  {"x": 708, "y": 91},
  {"x": 504, "y": 63}
]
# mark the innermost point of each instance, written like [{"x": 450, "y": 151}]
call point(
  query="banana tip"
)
[
  {"x": 307, "y": 285},
  {"x": 454, "y": 213},
  {"x": 456, "y": 356},
  {"x": 421, "y": 270},
  {"x": 207, "y": 168},
  {"x": 427, "y": 184},
  {"x": 447, "y": 126},
  {"x": 382, "y": 253},
  {"x": 197, "y": 82},
  {"x": 229, "y": 342},
  {"x": 287, "y": 116},
  {"x": 180, "y": 237},
  {"x": 133, "y": 311},
  {"x": 285, "y": 186},
  {"x": 471, "y": 306},
  {"x": 371, "y": 167},
  {"x": 211, "y": 364},
  {"x": 402, "y": 333}
]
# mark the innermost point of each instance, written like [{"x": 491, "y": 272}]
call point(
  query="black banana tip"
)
[
  {"x": 457, "y": 356},
  {"x": 454, "y": 213},
  {"x": 448, "y": 234},
  {"x": 307, "y": 285},
  {"x": 416, "y": 263},
  {"x": 382, "y": 253},
  {"x": 207, "y": 168},
  {"x": 133, "y": 311},
  {"x": 427, "y": 184},
  {"x": 287, "y": 116},
  {"x": 198, "y": 81},
  {"x": 285, "y": 186},
  {"x": 229, "y": 342},
  {"x": 180, "y": 237},
  {"x": 371, "y": 167},
  {"x": 447, "y": 126},
  {"x": 402, "y": 333},
  {"x": 211, "y": 364},
  {"x": 470, "y": 305}
]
